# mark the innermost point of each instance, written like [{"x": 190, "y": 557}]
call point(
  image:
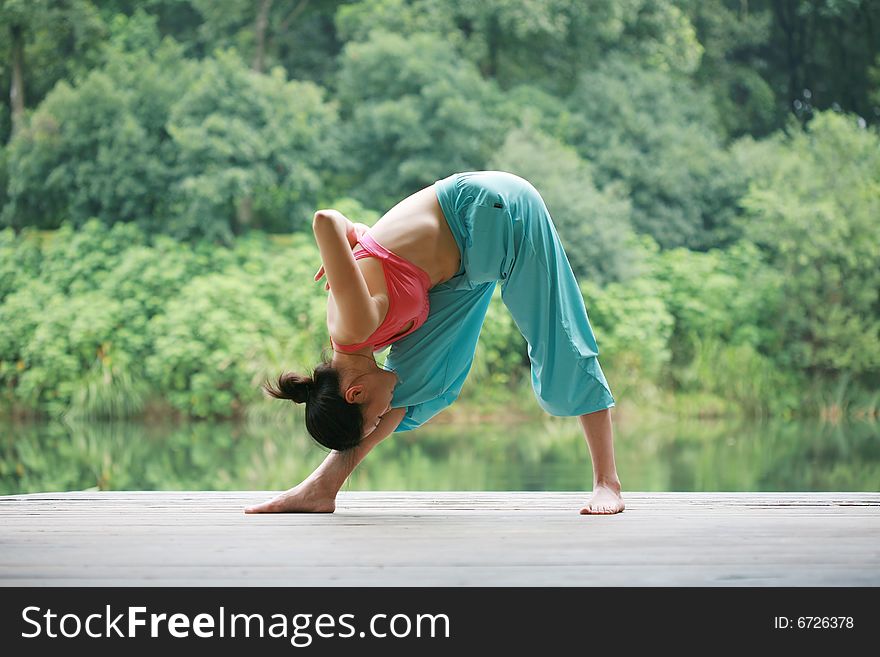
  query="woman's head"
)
[{"x": 344, "y": 401}]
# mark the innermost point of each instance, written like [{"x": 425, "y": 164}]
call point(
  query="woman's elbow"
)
[
  {"x": 321, "y": 216},
  {"x": 324, "y": 222}
]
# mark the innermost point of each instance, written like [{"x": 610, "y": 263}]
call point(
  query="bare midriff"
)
[{"x": 416, "y": 230}]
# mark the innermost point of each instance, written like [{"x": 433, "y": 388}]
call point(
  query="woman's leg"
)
[
  {"x": 542, "y": 294},
  {"x": 317, "y": 493},
  {"x": 606, "y": 484}
]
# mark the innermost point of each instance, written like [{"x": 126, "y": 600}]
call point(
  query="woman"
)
[{"x": 421, "y": 280}]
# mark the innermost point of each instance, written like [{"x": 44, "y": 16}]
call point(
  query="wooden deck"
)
[{"x": 446, "y": 539}]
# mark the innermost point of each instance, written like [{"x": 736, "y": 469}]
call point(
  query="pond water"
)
[{"x": 548, "y": 454}]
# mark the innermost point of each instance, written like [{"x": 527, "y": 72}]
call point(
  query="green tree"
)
[
  {"x": 108, "y": 322},
  {"x": 820, "y": 52},
  {"x": 501, "y": 37},
  {"x": 235, "y": 150},
  {"x": 48, "y": 40},
  {"x": 413, "y": 112},
  {"x": 659, "y": 136},
  {"x": 299, "y": 35},
  {"x": 735, "y": 36},
  {"x": 724, "y": 295},
  {"x": 208, "y": 343},
  {"x": 100, "y": 148},
  {"x": 250, "y": 149},
  {"x": 812, "y": 206},
  {"x": 19, "y": 260},
  {"x": 59, "y": 329}
]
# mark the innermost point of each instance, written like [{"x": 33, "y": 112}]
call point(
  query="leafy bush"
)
[
  {"x": 207, "y": 342},
  {"x": 633, "y": 328},
  {"x": 812, "y": 206}
]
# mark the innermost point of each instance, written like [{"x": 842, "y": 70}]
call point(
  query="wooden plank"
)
[{"x": 426, "y": 538}]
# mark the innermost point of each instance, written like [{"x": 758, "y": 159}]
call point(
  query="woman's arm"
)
[
  {"x": 354, "y": 236},
  {"x": 317, "y": 493},
  {"x": 358, "y": 311},
  {"x": 353, "y": 231}
]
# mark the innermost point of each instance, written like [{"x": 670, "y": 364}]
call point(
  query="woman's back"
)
[{"x": 416, "y": 230}]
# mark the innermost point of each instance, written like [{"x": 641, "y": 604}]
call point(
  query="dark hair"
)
[{"x": 330, "y": 420}]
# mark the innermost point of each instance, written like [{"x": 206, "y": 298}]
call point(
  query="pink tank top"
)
[{"x": 408, "y": 287}]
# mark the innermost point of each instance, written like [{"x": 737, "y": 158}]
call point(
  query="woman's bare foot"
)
[
  {"x": 304, "y": 498},
  {"x": 606, "y": 499}
]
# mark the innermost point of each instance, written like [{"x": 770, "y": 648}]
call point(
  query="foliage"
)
[
  {"x": 813, "y": 209},
  {"x": 59, "y": 39},
  {"x": 236, "y": 150},
  {"x": 711, "y": 166},
  {"x": 413, "y": 112},
  {"x": 633, "y": 327},
  {"x": 249, "y": 149},
  {"x": 206, "y": 342},
  {"x": 725, "y": 295},
  {"x": 133, "y": 319},
  {"x": 733, "y": 36},
  {"x": 501, "y": 37},
  {"x": 658, "y": 135},
  {"x": 99, "y": 148}
]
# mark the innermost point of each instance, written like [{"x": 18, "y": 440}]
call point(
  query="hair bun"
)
[{"x": 291, "y": 386}]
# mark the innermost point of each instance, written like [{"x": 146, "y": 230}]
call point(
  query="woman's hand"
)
[
  {"x": 354, "y": 235},
  {"x": 319, "y": 275},
  {"x": 355, "y": 232},
  {"x": 308, "y": 497}
]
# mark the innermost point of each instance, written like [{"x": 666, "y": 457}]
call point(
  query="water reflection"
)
[{"x": 543, "y": 455}]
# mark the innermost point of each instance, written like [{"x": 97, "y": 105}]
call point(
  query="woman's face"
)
[{"x": 374, "y": 392}]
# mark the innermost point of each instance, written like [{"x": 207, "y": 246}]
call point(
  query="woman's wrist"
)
[{"x": 359, "y": 230}]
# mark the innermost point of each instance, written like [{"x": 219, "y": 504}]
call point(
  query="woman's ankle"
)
[
  {"x": 321, "y": 486},
  {"x": 608, "y": 481}
]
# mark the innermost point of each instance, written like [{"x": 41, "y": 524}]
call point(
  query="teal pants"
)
[{"x": 504, "y": 233}]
